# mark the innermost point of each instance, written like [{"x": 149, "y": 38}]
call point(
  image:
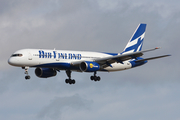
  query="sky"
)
[{"x": 149, "y": 92}]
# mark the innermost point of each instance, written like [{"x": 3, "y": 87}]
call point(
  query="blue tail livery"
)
[{"x": 136, "y": 41}]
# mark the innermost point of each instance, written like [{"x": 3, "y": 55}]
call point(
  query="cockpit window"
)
[{"x": 16, "y": 55}]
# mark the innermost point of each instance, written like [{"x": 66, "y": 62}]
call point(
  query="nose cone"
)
[{"x": 12, "y": 61}]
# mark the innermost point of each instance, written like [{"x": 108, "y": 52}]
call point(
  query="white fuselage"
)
[
  {"x": 60, "y": 59},
  {"x": 48, "y": 62}
]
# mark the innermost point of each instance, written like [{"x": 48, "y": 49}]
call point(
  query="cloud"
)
[
  {"x": 63, "y": 104},
  {"x": 147, "y": 92}
]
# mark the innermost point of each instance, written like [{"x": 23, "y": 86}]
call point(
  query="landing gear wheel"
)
[
  {"x": 70, "y": 81},
  {"x": 27, "y": 77},
  {"x": 73, "y": 81},
  {"x": 67, "y": 80},
  {"x": 92, "y": 77},
  {"x": 95, "y": 78},
  {"x": 98, "y": 78}
]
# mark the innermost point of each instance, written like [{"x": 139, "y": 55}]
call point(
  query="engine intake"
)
[
  {"x": 45, "y": 72},
  {"x": 89, "y": 66}
]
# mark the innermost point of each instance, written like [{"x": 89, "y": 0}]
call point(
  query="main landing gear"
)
[
  {"x": 70, "y": 81},
  {"x": 26, "y": 72},
  {"x": 95, "y": 78}
]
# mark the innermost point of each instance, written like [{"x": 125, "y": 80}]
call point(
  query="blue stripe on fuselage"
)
[{"x": 62, "y": 66}]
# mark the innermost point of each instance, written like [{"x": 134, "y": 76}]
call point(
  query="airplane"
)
[{"x": 47, "y": 62}]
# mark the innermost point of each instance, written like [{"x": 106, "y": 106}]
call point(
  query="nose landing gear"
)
[
  {"x": 26, "y": 72},
  {"x": 27, "y": 77}
]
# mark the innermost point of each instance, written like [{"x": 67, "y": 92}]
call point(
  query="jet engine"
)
[
  {"x": 45, "y": 72},
  {"x": 89, "y": 66}
]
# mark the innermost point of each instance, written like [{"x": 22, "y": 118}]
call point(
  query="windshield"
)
[{"x": 16, "y": 55}]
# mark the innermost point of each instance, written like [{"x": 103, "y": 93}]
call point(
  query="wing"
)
[{"x": 107, "y": 61}]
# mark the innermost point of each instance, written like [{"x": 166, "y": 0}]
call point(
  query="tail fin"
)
[{"x": 136, "y": 41}]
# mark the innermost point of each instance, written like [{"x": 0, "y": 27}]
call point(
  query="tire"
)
[
  {"x": 98, "y": 78},
  {"x": 73, "y": 81},
  {"x": 95, "y": 78},
  {"x": 27, "y": 77},
  {"x": 92, "y": 77},
  {"x": 67, "y": 81}
]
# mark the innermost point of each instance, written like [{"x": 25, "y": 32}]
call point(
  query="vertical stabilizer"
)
[{"x": 136, "y": 41}]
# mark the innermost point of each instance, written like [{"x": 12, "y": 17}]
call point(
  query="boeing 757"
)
[{"x": 48, "y": 62}]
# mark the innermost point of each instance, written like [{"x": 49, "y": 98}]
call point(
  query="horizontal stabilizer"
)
[{"x": 152, "y": 58}]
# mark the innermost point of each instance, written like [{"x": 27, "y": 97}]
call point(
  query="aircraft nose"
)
[{"x": 11, "y": 61}]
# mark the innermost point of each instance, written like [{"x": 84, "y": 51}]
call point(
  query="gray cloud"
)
[
  {"x": 62, "y": 104},
  {"x": 147, "y": 92}
]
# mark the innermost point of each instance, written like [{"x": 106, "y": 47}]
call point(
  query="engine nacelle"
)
[
  {"x": 89, "y": 66},
  {"x": 45, "y": 72}
]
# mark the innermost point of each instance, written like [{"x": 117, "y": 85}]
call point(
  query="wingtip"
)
[{"x": 157, "y": 47}]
